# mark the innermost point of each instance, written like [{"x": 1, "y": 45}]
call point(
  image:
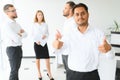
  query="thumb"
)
[{"x": 58, "y": 32}]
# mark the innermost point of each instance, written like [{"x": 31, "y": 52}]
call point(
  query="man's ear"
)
[
  {"x": 88, "y": 14},
  {"x": 6, "y": 12}
]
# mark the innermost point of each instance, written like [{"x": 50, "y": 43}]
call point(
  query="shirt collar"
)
[
  {"x": 87, "y": 30},
  {"x": 68, "y": 19},
  {"x": 10, "y": 20},
  {"x": 38, "y": 23}
]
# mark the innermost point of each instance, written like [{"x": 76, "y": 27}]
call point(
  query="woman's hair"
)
[{"x": 36, "y": 19}]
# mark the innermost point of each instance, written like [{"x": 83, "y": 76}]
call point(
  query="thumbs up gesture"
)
[
  {"x": 105, "y": 47},
  {"x": 56, "y": 43}
]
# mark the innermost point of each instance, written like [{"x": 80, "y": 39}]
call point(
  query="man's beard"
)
[
  {"x": 83, "y": 24},
  {"x": 65, "y": 15},
  {"x": 14, "y": 17}
]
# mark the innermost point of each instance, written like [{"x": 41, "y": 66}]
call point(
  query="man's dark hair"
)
[
  {"x": 80, "y": 5},
  {"x": 71, "y": 3},
  {"x": 5, "y": 8}
]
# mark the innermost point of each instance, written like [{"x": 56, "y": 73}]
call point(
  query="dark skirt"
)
[{"x": 41, "y": 52}]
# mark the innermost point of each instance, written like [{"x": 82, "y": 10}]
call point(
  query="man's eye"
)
[
  {"x": 83, "y": 13},
  {"x": 77, "y": 14}
]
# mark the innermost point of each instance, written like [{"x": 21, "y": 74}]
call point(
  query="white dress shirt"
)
[
  {"x": 83, "y": 49},
  {"x": 10, "y": 32},
  {"x": 68, "y": 24},
  {"x": 39, "y": 30}
]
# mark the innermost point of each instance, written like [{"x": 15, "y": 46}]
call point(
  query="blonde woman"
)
[{"x": 40, "y": 35}]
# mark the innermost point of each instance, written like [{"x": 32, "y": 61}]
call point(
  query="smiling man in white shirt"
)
[
  {"x": 85, "y": 44},
  {"x": 13, "y": 35}
]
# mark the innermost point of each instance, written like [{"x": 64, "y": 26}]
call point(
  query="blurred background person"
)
[
  {"x": 68, "y": 24},
  {"x": 13, "y": 40}
]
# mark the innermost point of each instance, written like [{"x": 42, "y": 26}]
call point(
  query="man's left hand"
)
[{"x": 105, "y": 47}]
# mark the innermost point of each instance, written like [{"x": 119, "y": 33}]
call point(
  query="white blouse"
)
[{"x": 38, "y": 31}]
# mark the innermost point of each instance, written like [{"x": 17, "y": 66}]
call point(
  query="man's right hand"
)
[{"x": 57, "y": 44}]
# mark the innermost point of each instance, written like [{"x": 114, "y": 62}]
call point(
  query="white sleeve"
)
[
  {"x": 33, "y": 33},
  {"x": 46, "y": 31}
]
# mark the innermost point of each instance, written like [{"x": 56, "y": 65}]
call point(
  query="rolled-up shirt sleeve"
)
[{"x": 111, "y": 54}]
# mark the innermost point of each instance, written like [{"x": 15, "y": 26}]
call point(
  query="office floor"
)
[{"x": 28, "y": 70}]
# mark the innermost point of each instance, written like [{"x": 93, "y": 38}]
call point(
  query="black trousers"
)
[
  {"x": 14, "y": 55},
  {"x": 73, "y": 75}
]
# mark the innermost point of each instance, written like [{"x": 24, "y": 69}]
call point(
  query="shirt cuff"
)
[{"x": 111, "y": 54}]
